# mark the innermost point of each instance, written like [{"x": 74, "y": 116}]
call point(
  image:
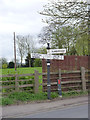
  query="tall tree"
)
[
  {"x": 42, "y": 50},
  {"x": 46, "y": 34},
  {"x": 82, "y": 45},
  {"x": 21, "y": 47},
  {"x": 69, "y": 21},
  {"x": 66, "y": 12},
  {"x": 26, "y": 45},
  {"x": 3, "y": 60},
  {"x": 29, "y": 46}
]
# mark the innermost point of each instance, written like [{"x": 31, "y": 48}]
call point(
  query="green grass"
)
[
  {"x": 23, "y": 97},
  {"x": 24, "y": 70},
  {"x": 7, "y": 101},
  {"x": 74, "y": 93}
]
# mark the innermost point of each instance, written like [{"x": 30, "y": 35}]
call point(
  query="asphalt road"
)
[{"x": 80, "y": 111}]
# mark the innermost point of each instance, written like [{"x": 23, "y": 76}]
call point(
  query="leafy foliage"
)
[
  {"x": 82, "y": 45},
  {"x": 67, "y": 25},
  {"x": 37, "y": 63}
]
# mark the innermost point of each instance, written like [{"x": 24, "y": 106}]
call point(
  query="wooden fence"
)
[{"x": 70, "y": 80}]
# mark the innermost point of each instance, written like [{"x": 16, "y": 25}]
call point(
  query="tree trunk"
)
[
  {"x": 21, "y": 61},
  {"x": 29, "y": 63}
]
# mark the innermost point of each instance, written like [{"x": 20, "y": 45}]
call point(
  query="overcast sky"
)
[{"x": 20, "y": 16}]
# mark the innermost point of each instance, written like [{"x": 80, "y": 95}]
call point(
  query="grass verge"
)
[
  {"x": 18, "y": 97},
  {"x": 74, "y": 93}
]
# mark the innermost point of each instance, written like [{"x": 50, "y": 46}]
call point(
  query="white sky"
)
[{"x": 20, "y": 16}]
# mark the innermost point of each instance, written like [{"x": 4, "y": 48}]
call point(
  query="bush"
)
[
  {"x": 11, "y": 65},
  {"x": 37, "y": 63},
  {"x": 4, "y": 66}
]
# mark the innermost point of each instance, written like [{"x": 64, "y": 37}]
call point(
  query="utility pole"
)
[
  {"x": 88, "y": 26},
  {"x": 15, "y": 50}
]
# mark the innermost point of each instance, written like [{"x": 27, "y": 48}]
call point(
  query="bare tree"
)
[
  {"x": 29, "y": 46},
  {"x": 21, "y": 47},
  {"x": 45, "y": 35},
  {"x": 66, "y": 12}
]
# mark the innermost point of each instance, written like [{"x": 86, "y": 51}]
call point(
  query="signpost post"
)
[
  {"x": 49, "y": 56},
  {"x": 48, "y": 75}
]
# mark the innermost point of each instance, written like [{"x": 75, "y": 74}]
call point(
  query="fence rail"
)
[{"x": 70, "y": 80}]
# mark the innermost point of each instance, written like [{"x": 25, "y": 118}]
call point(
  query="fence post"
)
[
  {"x": 83, "y": 78},
  {"x": 36, "y": 80},
  {"x": 60, "y": 74},
  {"x": 16, "y": 83}
]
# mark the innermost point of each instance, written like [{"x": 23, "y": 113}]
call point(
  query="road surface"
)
[{"x": 80, "y": 111}]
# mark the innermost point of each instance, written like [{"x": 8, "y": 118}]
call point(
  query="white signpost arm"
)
[
  {"x": 56, "y": 51},
  {"x": 47, "y": 56}
]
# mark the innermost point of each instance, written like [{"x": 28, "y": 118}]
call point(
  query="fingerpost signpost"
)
[
  {"x": 48, "y": 74},
  {"x": 49, "y": 56}
]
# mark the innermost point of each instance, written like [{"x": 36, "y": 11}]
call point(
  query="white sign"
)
[
  {"x": 56, "y": 51},
  {"x": 47, "y": 56}
]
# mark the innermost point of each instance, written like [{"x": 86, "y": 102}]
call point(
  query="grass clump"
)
[
  {"x": 74, "y": 93},
  {"x": 26, "y": 97},
  {"x": 21, "y": 96},
  {"x": 39, "y": 96},
  {"x": 54, "y": 95},
  {"x": 6, "y": 101}
]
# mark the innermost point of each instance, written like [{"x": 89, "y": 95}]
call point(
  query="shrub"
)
[
  {"x": 37, "y": 63},
  {"x": 11, "y": 64},
  {"x": 4, "y": 66}
]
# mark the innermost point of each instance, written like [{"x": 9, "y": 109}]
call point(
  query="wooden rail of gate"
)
[{"x": 19, "y": 82}]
